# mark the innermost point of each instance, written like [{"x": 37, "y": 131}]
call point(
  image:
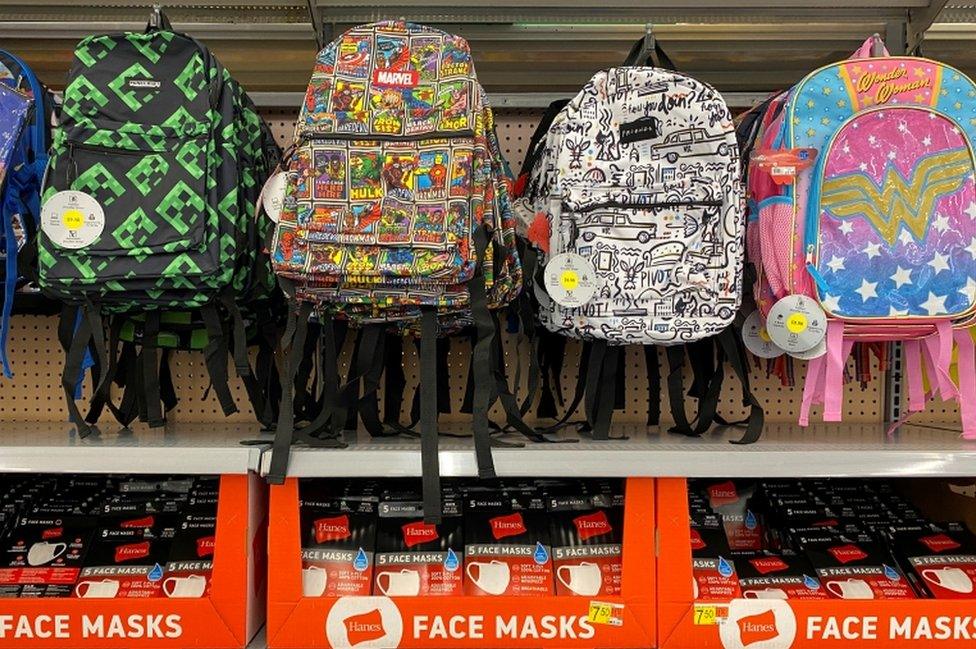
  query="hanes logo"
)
[
  {"x": 205, "y": 546},
  {"x": 697, "y": 542},
  {"x": 504, "y": 526},
  {"x": 52, "y": 533},
  {"x": 847, "y": 553},
  {"x": 939, "y": 543},
  {"x": 767, "y": 565},
  {"x": 131, "y": 551},
  {"x": 364, "y": 628},
  {"x": 590, "y": 525},
  {"x": 138, "y": 523},
  {"x": 723, "y": 493},
  {"x": 758, "y": 628},
  {"x": 335, "y": 528},
  {"x": 419, "y": 532}
]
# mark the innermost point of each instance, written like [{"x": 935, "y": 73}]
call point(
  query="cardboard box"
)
[{"x": 627, "y": 620}]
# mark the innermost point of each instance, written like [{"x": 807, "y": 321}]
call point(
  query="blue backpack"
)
[{"x": 25, "y": 118}]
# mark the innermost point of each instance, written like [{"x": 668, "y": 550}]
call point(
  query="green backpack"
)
[{"x": 164, "y": 162}]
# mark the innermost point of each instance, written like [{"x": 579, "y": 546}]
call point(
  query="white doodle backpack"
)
[{"x": 637, "y": 210}]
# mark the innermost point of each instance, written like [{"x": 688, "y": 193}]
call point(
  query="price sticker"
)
[
  {"x": 706, "y": 615},
  {"x": 570, "y": 280},
  {"x": 72, "y": 219},
  {"x": 609, "y": 613},
  {"x": 796, "y": 324}
]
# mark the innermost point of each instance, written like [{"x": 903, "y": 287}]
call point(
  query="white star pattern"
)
[
  {"x": 847, "y": 148},
  {"x": 835, "y": 264},
  {"x": 902, "y": 127},
  {"x": 892, "y": 154},
  {"x": 939, "y": 263},
  {"x": 905, "y": 237},
  {"x": 872, "y": 250},
  {"x": 872, "y": 139},
  {"x": 902, "y": 276},
  {"x": 941, "y": 223},
  {"x": 971, "y": 210},
  {"x": 969, "y": 290},
  {"x": 863, "y": 166},
  {"x": 927, "y": 141},
  {"x": 831, "y": 303},
  {"x": 971, "y": 248},
  {"x": 892, "y": 311},
  {"x": 846, "y": 227},
  {"x": 934, "y": 304},
  {"x": 867, "y": 290}
]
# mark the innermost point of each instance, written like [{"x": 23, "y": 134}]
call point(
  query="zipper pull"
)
[
  {"x": 809, "y": 257},
  {"x": 71, "y": 170}
]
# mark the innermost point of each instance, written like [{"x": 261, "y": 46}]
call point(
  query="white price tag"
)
[
  {"x": 570, "y": 280},
  {"x": 72, "y": 219},
  {"x": 273, "y": 195},
  {"x": 757, "y": 339},
  {"x": 796, "y": 324}
]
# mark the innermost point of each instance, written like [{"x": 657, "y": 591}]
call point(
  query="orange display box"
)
[
  {"x": 228, "y": 617},
  {"x": 296, "y": 622},
  {"x": 784, "y": 624}
]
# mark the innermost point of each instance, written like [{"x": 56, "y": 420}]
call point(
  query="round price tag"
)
[
  {"x": 72, "y": 219},
  {"x": 570, "y": 280},
  {"x": 816, "y": 351},
  {"x": 796, "y": 324},
  {"x": 273, "y": 195},
  {"x": 757, "y": 339}
]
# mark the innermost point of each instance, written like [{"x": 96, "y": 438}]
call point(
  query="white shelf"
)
[
  {"x": 822, "y": 450},
  {"x": 177, "y": 448}
]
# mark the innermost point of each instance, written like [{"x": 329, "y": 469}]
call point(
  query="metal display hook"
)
[
  {"x": 156, "y": 17},
  {"x": 877, "y": 45}
]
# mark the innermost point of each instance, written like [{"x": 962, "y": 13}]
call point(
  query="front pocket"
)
[
  {"x": 375, "y": 209},
  {"x": 152, "y": 187},
  {"x": 654, "y": 254}
]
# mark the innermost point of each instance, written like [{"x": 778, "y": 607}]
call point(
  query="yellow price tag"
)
[
  {"x": 706, "y": 615},
  {"x": 72, "y": 219},
  {"x": 569, "y": 280},
  {"x": 605, "y": 613},
  {"x": 797, "y": 323}
]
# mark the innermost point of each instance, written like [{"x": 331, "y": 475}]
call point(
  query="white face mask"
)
[
  {"x": 954, "y": 579},
  {"x": 104, "y": 589},
  {"x": 766, "y": 593},
  {"x": 314, "y": 581},
  {"x": 405, "y": 583},
  {"x": 44, "y": 552},
  {"x": 850, "y": 589},
  {"x": 583, "y": 578},
  {"x": 491, "y": 577},
  {"x": 190, "y": 586}
]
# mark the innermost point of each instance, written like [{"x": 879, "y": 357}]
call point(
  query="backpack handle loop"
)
[
  {"x": 158, "y": 21},
  {"x": 872, "y": 47},
  {"x": 647, "y": 51}
]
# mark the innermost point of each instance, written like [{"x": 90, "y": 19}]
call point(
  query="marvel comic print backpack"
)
[
  {"x": 883, "y": 224},
  {"x": 396, "y": 218},
  {"x": 637, "y": 210}
]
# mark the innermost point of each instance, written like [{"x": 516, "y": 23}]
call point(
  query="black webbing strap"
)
[
  {"x": 394, "y": 379},
  {"x": 167, "y": 392},
  {"x": 533, "y": 150},
  {"x": 321, "y": 425},
  {"x": 638, "y": 55},
  {"x": 128, "y": 378},
  {"x": 620, "y": 382},
  {"x": 102, "y": 397},
  {"x": 66, "y": 326},
  {"x": 348, "y": 409},
  {"x": 429, "y": 459},
  {"x": 304, "y": 390},
  {"x": 481, "y": 359},
  {"x": 600, "y": 390},
  {"x": 444, "y": 387},
  {"x": 552, "y": 353},
  {"x": 215, "y": 358},
  {"x": 707, "y": 405},
  {"x": 150, "y": 370},
  {"x": 701, "y": 354},
  {"x": 729, "y": 342},
  {"x": 292, "y": 342},
  {"x": 368, "y": 368},
  {"x": 467, "y": 402},
  {"x": 72, "y": 365},
  {"x": 586, "y": 351},
  {"x": 264, "y": 369},
  {"x": 242, "y": 364},
  {"x": 653, "y": 385}
]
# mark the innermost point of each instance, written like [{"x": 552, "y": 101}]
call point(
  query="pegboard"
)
[{"x": 35, "y": 392}]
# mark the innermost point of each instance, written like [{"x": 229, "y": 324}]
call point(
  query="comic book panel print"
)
[
  {"x": 353, "y": 59},
  {"x": 359, "y": 222},
  {"x": 425, "y": 52},
  {"x": 453, "y": 99},
  {"x": 897, "y": 229},
  {"x": 455, "y": 57},
  {"x": 421, "y": 116},
  {"x": 431, "y": 175},
  {"x": 365, "y": 169},
  {"x": 330, "y": 174},
  {"x": 395, "y": 221},
  {"x": 461, "y": 174},
  {"x": 399, "y": 174}
]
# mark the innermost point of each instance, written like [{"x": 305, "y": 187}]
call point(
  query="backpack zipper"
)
[
  {"x": 433, "y": 135},
  {"x": 95, "y": 148},
  {"x": 642, "y": 206}
]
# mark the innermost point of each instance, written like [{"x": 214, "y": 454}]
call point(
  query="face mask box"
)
[
  {"x": 416, "y": 558},
  {"x": 940, "y": 559},
  {"x": 735, "y": 503},
  {"x": 853, "y": 567},
  {"x": 43, "y": 556},
  {"x": 713, "y": 570},
  {"x": 784, "y": 575},
  {"x": 587, "y": 550},
  {"x": 338, "y": 540},
  {"x": 507, "y": 549},
  {"x": 125, "y": 562},
  {"x": 188, "y": 570}
]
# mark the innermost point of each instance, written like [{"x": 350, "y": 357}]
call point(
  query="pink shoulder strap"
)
[
  {"x": 967, "y": 382},
  {"x": 912, "y": 349}
]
